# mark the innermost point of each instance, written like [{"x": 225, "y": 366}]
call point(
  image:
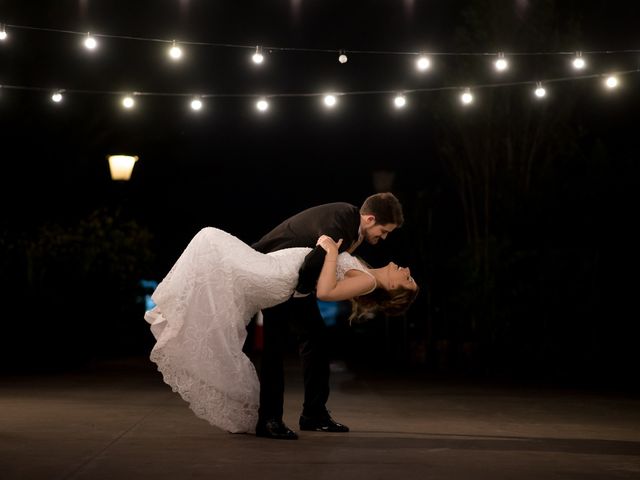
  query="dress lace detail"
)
[
  {"x": 347, "y": 262},
  {"x": 203, "y": 306}
]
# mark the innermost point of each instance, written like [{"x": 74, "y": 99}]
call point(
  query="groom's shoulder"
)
[
  {"x": 328, "y": 210},
  {"x": 334, "y": 206}
]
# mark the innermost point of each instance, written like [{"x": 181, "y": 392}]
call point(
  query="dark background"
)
[{"x": 520, "y": 215}]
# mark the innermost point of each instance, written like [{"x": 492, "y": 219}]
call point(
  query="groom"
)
[{"x": 378, "y": 216}]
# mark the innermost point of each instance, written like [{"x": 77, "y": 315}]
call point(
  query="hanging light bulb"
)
[
  {"x": 262, "y": 105},
  {"x": 466, "y": 97},
  {"x": 501, "y": 63},
  {"x": 175, "y": 52},
  {"x": 343, "y": 57},
  {"x": 90, "y": 42},
  {"x": 3, "y": 33},
  {"x": 196, "y": 104},
  {"x": 578, "y": 61},
  {"x": 540, "y": 90},
  {"x": 423, "y": 63},
  {"x": 128, "y": 102},
  {"x": 399, "y": 101},
  {"x": 330, "y": 101},
  {"x": 56, "y": 97},
  {"x": 611, "y": 81},
  {"x": 257, "y": 57}
]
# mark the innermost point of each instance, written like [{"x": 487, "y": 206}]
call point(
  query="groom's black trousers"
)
[{"x": 300, "y": 316}]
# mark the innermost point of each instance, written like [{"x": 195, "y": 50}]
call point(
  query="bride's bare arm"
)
[{"x": 329, "y": 289}]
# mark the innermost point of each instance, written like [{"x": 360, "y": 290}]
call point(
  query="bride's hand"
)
[{"x": 329, "y": 244}]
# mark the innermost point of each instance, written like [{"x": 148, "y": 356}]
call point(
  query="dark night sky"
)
[
  {"x": 228, "y": 166},
  {"x": 565, "y": 283}
]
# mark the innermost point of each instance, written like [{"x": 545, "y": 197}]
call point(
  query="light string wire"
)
[
  {"x": 319, "y": 94},
  {"x": 319, "y": 50}
]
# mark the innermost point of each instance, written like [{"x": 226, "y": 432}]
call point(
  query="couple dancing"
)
[{"x": 219, "y": 283}]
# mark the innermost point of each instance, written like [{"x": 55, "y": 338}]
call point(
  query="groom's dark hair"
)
[{"x": 385, "y": 207}]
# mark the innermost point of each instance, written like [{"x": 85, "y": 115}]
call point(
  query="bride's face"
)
[{"x": 400, "y": 277}]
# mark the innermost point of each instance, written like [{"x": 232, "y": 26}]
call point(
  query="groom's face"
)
[{"x": 374, "y": 232}]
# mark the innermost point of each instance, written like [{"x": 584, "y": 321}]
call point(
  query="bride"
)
[{"x": 203, "y": 306}]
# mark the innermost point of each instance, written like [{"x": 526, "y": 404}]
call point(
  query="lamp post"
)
[{"x": 121, "y": 166}]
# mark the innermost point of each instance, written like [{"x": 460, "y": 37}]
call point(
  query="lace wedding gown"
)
[{"x": 199, "y": 322}]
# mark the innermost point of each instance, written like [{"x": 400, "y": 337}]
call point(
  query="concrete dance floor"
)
[{"x": 118, "y": 420}]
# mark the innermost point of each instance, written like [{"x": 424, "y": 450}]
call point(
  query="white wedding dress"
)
[{"x": 199, "y": 322}]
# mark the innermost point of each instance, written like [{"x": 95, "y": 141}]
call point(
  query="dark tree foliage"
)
[
  {"x": 72, "y": 292},
  {"x": 518, "y": 279}
]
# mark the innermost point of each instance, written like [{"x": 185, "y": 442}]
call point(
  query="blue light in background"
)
[
  {"x": 331, "y": 311},
  {"x": 149, "y": 286}
]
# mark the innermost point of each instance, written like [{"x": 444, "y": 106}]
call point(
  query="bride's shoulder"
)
[{"x": 347, "y": 261}]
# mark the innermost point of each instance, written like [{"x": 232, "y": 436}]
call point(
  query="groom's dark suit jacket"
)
[{"x": 337, "y": 220}]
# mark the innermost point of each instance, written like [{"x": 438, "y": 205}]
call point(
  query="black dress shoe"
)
[
  {"x": 322, "y": 423},
  {"x": 274, "y": 429}
]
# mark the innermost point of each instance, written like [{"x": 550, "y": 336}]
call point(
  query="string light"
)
[
  {"x": 175, "y": 52},
  {"x": 578, "y": 62},
  {"x": 262, "y": 105},
  {"x": 423, "y": 63},
  {"x": 196, "y": 104},
  {"x": 319, "y": 50},
  {"x": 611, "y": 81},
  {"x": 128, "y": 102},
  {"x": 90, "y": 43},
  {"x": 330, "y": 100},
  {"x": 466, "y": 97},
  {"x": 501, "y": 63},
  {"x": 56, "y": 96},
  {"x": 400, "y": 101},
  {"x": 257, "y": 57}
]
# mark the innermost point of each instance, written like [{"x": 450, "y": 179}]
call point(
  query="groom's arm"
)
[
  {"x": 310, "y": 271},
  {"x": 312, "y": 265},
  {"x": 342, "y": 223}
]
